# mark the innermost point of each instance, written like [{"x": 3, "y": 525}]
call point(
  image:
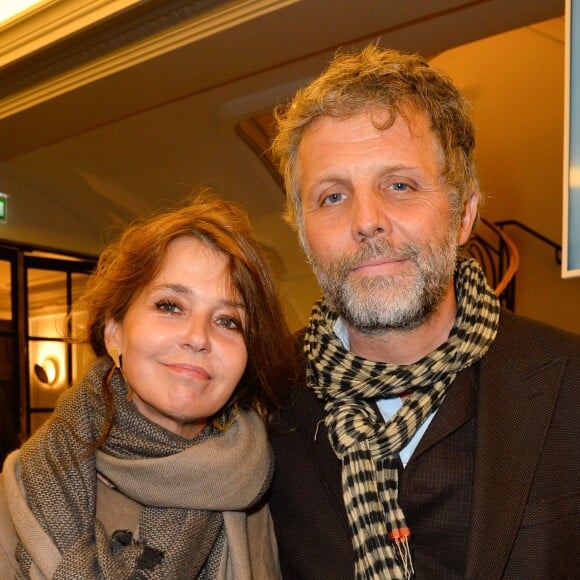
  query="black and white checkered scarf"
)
[{"x": 368, "y": 447}]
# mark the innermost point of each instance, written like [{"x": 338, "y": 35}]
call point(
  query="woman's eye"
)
[
  {"x": 333, "y": 198},
  {"x": 168, "y": 307},
  {"x": 229, "y": 322}
]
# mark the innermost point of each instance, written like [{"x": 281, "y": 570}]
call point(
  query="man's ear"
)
[{"x": 468, "y": 217}]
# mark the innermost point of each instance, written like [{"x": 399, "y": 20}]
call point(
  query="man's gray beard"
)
[{"x": 403, "y": 301}]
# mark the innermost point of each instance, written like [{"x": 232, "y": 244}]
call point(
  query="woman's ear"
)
[
  {"x": 112, "y": 340},
  {"x": 468, "y": 217}
]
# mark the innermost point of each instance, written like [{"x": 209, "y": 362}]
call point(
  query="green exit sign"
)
[{"x": 3, "y": 207}]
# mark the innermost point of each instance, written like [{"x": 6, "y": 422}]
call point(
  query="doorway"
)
[{"x": 37, "y": 361}]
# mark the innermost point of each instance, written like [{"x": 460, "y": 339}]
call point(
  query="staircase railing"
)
[
  {"x": 499, "y": 258},
  {"x": 557, "y": 247}
]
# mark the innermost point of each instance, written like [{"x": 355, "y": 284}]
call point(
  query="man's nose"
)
[{"x": 370, "y": 217}]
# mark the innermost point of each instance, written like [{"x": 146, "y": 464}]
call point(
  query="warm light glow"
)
[
  {"x": 50, "y": 366},
  {"x": 574, "y": 176},
  {"x": 9, "y": 8}
]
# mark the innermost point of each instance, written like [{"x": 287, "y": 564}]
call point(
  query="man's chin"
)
[
  {"x": 384, "y": 311},
  {"x": 371, "y": 324}
]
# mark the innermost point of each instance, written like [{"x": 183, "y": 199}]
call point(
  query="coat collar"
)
[{"x": 517, "y": 394}]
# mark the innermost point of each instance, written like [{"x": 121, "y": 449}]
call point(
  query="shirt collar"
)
[{"x": 341, "y": 331}]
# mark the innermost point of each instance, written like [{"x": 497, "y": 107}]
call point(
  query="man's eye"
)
[
  {"x": 333, "y": 198},
  {"x": 401, "y": 186},
  {"x": 168, "y": 306}
]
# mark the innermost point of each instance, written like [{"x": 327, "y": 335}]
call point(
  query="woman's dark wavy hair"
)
[{"x": 130, "y": 263}]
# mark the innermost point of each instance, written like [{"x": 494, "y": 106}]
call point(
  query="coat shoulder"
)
[
  {"x": 537, "y": 336},
  {"x": 8, "y": 538}
]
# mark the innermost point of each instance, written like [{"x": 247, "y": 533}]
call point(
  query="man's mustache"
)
[{"x": 379, "y": 248}]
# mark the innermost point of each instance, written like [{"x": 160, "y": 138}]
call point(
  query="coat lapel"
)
[
  {"x": 517, "y": 395},
  {"x": 459, "y": 406},
  {"x": 311, "y": 420}
]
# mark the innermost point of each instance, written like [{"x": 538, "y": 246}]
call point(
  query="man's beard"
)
[{"x": 401, "y": 301}]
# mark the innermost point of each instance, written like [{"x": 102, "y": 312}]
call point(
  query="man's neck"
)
[{"x": 404, "y": 347}]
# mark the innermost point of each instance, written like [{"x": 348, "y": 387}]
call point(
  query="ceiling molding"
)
[
  {"x": 252, "y": 53},
  {"x": 114, "y": 40},
  {"x": 51, "y": 22}
]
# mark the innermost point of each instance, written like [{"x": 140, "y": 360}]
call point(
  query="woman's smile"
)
[{"x": 189, "y": 370}]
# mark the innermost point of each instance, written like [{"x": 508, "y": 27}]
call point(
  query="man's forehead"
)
[{"x": 382, "y": 117}]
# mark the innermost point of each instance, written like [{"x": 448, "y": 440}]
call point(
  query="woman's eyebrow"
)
[{"x": 182, "y": 289}]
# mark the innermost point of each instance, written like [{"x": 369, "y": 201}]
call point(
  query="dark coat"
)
[{"x": 525, "y": 510}]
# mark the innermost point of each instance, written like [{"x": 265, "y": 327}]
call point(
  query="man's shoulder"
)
[
  {"x": 536, "y": 336},
  {"x": 300, "y": 396},
  {"x": 528, "y": 351},
  {"x": 301, "y": 408}
]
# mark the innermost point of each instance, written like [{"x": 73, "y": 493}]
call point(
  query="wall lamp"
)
[{"x": 47, "y": 372}]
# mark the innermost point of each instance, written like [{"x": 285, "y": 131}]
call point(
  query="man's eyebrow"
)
[{"x": 338, "y": 175}]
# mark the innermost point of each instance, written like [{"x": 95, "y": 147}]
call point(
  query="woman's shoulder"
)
[{"x": 8, "y": 538}]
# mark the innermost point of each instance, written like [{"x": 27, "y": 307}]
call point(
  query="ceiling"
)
[{"x": 111, "y": 108}]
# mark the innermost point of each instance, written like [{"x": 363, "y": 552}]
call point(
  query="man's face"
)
[{"x": 378, "y": 224}]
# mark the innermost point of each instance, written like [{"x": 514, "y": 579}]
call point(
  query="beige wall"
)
[{"x": 516, "y": 84}]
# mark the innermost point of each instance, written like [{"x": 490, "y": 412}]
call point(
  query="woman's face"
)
[{"x": 181, "y": 341}]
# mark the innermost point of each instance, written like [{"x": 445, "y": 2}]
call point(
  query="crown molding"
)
[
  {"x": 65, "y": 44},
  {"x": 51, "y": 22}
]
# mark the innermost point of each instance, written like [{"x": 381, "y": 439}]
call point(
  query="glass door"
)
[
  {"x": 9, "y": 360},
  {"x": 53, "y": 363}
]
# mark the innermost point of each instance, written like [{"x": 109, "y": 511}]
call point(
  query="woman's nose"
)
[{"x": 196, "y": 336}]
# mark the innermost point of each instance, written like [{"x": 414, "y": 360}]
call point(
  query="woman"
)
[{"x": 154, "y": 466}]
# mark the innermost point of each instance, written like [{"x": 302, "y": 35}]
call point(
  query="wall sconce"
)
[{"x": 47, "y": 372}]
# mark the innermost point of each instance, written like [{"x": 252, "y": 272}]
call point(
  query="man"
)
[{"x": 435, "y": 435}]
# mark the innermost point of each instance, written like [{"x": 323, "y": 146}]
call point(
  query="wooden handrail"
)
[
  {"x": 513, "y": 256},
  {"x": 499, "y": 259}
]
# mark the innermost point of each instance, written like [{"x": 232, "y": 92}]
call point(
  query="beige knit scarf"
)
[{"x": 184, "y": 486}]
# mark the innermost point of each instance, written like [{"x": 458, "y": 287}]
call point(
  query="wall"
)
[{"x": 516, "y": 84}]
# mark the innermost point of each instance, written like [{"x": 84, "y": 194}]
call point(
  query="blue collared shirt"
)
[{"x": 389, "y": 406}]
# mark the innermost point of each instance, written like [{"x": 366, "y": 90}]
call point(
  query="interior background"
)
[{"x": 112, "y": 110}]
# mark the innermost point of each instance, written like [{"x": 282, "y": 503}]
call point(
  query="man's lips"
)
[{"x": 379, "y": 264}]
